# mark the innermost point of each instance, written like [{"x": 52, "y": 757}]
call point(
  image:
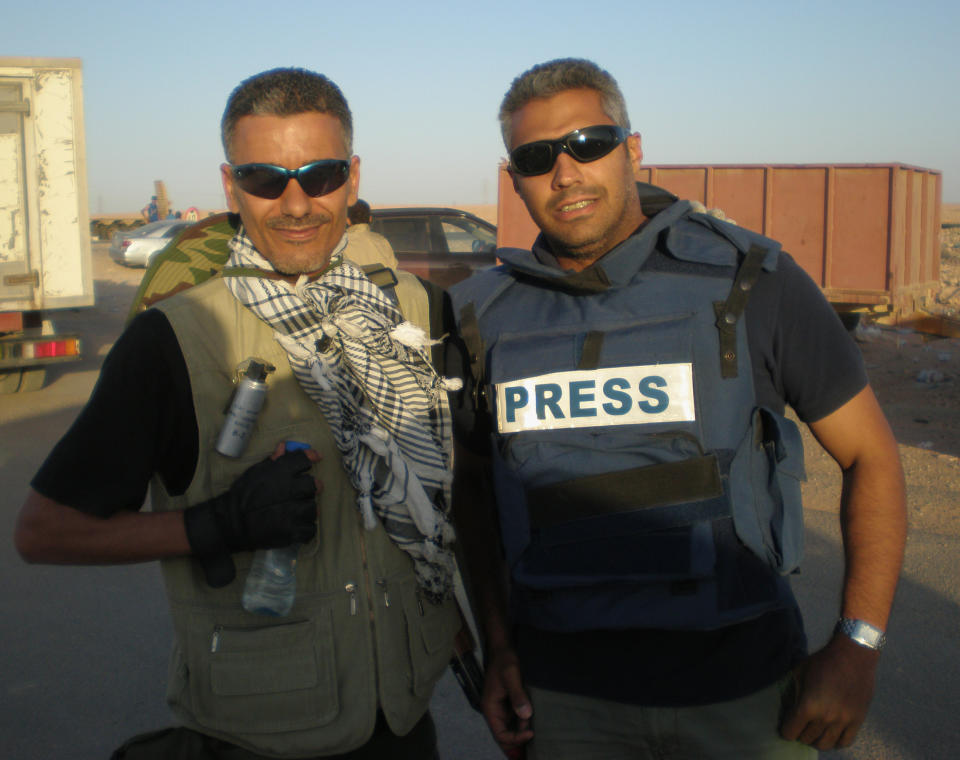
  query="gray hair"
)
[
  {"x": 553, "y": 77},
  {"x": 285, "y": 92}
]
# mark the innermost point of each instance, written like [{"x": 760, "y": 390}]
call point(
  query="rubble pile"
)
[{"x": 949, "y": 296}]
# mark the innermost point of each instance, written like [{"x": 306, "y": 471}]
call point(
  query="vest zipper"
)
[
  {"x": 215, "y": 639},
  {"x": 351, "y": 588},
  {"x": 382, "y": 583},
  {"x": 366, "y": 581}
]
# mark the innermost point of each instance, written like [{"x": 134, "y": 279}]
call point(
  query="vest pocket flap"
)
[
  {"x": 250, "y": 679},
  {"x": 630, "y": 490},
  {"x": 784, "y": 437},
  {"x": 264, "y": 661}
]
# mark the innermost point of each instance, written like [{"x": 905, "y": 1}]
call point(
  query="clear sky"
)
[{"x": 705, "y": 82}]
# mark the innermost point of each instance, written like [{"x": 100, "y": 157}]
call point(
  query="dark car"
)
[{"x": 442, "y": 245}]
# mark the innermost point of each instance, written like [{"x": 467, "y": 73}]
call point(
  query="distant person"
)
[
  {"x": 364, "y": 246},
  {"x": 632, "y": 374},
  {"x": 151, "y": 212},
  {"x": 350, "y": 671},
  {"x": 172, "y": 215}
]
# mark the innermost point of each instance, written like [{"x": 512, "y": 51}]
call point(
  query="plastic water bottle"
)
[{"x": 272, "y": 582}]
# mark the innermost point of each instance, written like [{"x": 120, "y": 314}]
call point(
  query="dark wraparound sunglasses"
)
[
  {"x": 269, "y": 181},
  {"x": 584, "y": 145}
]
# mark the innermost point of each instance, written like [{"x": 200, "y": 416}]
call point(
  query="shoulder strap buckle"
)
[{"x": 728, "y": 312}]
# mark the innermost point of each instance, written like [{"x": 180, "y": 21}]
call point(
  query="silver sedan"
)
[{"x": 137, "y": 247}]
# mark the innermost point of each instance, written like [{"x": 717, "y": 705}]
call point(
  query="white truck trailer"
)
[{"x": 45, "y": 260}]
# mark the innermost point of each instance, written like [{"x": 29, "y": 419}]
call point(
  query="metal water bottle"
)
[{"x": 248, "y": 398}]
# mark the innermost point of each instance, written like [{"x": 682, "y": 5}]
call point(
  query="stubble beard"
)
[
  {"x": 588, "y": 245},
  {"x": 593, "y": 244},
  {"x": 308, "y": 262}
]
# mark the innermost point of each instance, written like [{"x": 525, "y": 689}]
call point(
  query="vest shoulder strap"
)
[
  {"x": 728, "y": 312},
  {"x": 473, "y": 297},
  {"x": 420, "y": 301}
]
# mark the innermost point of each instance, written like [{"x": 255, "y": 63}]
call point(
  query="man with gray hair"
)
[
  {"x": 346, "y": 463},
  {"x": 632, "y": 372}
]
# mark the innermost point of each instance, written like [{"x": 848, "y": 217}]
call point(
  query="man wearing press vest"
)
[{"x": 632, "y": 373}]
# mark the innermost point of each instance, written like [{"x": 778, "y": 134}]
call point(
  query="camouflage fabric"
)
[
  {"x": 195, "y": 255},
  {"x": 201, "y": 251}
]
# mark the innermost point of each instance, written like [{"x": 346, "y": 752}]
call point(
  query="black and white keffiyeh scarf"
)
[{"x": 368, "y": 371}]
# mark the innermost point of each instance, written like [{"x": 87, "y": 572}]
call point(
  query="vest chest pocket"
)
[
  {"x": 225, "y": 470},
  {"x": 430, "y": 629},
  {"x": 263, "y": 679},
  {"x": 765, "y": 477},
  {"x": 629, "y": 517}
]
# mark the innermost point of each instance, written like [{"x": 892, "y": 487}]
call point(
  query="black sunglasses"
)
[
  {"x": 584, "y": 145},
  {"x": 269, "y": 181}
]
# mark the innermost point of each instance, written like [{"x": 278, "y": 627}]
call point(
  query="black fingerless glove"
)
[{"x": 271, "y": 504}]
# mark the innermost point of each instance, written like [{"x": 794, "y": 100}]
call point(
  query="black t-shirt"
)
[
  {"x": 801, "y": 356},
  {"x": 139, "y": 421}
]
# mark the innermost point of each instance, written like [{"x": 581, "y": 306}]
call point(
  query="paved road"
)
[{"x": 83, "y": 653}]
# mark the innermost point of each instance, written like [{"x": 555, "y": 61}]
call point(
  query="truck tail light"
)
[
  {"x": 50, "y": 349},
  {"x": 42, "y": 348}
]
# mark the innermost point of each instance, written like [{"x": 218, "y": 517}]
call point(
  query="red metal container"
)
[{"x": 868, "y": 234}]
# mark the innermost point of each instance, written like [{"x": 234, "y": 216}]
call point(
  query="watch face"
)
[{"x": 862, "y": 632}]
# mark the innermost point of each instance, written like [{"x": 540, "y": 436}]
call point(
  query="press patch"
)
[{"x": 597, "y": 398}]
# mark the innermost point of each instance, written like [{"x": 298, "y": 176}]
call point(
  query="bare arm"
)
[
  {"x": 50, "y": 532},
  {"x": 836, "y": 683},
  {"x": 505, "y": 703},
  {"x": 271, "y": 504}
]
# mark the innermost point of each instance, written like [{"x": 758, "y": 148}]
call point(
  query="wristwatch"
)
[{"x": 863, "y": 633}]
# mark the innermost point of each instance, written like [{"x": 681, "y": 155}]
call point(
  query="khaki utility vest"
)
[{"x": 359, "y": 636}]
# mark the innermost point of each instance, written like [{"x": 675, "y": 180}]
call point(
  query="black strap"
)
[
  {"x": 385, "y": 279},
  {"x": 436, "y": 300},
  {"x": 590, "y": 353},
  {"x": 688, "y": 484},
  {"x": 470, "y": 332},
  {"x": 729, "y": 312}
]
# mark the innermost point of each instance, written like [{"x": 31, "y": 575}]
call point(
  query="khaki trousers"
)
[{"x": 572, "y": 727}]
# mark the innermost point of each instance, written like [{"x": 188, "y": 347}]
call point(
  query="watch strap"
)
[{"x": 862, "y": 632}]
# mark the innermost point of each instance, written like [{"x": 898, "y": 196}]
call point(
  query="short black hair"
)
[
  {"x": 285, "y": 92},
  {"x": 359, "y": 213}
]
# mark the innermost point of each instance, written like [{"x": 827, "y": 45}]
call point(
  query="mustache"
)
[{"x": 298, "y": 222}]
